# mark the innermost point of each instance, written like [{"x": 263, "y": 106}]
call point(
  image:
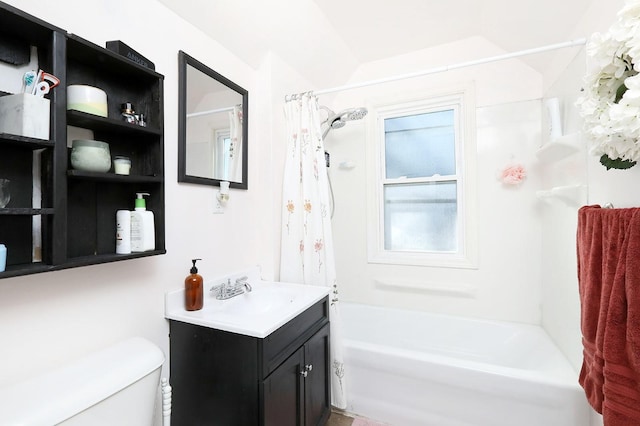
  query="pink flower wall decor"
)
[{"x": 513, "y": 174}]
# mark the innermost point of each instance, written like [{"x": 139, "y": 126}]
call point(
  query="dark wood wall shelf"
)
[
  {"x": 24, "y": 269},
  {"x": 76, "y": 213},
  {"x": 25, "y": 211},
  {"x": 110, "y": 177},
  {"x": 83, "y": 119},
  {"x": 24, "y": 142},
  {"x": 37, "y": 267},
  {"x": 96, "y": 259}
]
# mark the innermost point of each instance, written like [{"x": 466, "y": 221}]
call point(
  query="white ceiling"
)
[
  {"x": 378, "y": 29},
  {"x": 321, "y": 37}
]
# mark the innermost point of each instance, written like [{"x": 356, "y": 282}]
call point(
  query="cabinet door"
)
[
  {"x": 214, "y": 377},
  {"x": 317, "y": 385},
  {"x": 283, "y": 393}
]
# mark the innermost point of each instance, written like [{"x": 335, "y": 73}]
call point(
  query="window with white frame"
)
[
  {"x": 424, "y": 206},
  {"x": 221, "y": 152}
]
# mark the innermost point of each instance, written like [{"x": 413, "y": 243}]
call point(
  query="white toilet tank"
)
[{"x": 115, "y": 386}]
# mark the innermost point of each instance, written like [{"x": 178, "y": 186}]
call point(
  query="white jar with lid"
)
[{"x": 122, "y": 165}]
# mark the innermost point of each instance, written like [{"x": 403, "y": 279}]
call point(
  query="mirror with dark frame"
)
[{"x": 212, "y": 126}]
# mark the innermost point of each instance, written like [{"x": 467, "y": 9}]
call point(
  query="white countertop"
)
[{"x": 258, "y": 313}]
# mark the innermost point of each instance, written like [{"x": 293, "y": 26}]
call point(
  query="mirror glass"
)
[{"x": 212, "y": 126}]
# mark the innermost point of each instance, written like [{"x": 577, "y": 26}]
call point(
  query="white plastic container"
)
[
  {"x": 555, "y": 119},
  {"x": 24, "y": 114},
  {"x": 87, "y": 99},
  {"x": 123, "y": 232},
  {"x": 143, "y": 235}
]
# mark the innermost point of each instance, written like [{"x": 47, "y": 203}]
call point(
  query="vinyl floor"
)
[{"x": 337, "y": 419}]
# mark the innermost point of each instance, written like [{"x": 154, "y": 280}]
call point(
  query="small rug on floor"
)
[{"x": 359, "y": 421}]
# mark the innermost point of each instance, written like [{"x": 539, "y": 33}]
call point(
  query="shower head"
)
[
  {"x": 354, "y": 114},
  {"x": 344, "y": 116},
  {"x": 335, "y": 121}
]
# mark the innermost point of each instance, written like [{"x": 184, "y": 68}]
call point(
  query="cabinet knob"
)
[
  {"x": 309, "y": 367},
  {"x": 304, "y": 373}
]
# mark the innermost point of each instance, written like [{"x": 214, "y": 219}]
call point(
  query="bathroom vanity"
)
[{"x": 268, "y": 368}]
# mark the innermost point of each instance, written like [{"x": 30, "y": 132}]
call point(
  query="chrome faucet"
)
[
  {"x": 226, "y": 290},
  {"x": 242, "y": 282}
]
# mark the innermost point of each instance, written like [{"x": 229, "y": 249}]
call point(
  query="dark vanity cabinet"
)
[
  {"x": 228, "y": 379},
  {"x": 296, "y": 393},
  {"x": 59, "y": 217}
]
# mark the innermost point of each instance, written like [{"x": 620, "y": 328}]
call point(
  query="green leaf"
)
[
  {"x": 619, "y": 94},
  {"x": 616, "y": 163}
]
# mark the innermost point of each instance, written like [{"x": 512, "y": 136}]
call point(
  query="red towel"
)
[{"x": 608, "y": 245}]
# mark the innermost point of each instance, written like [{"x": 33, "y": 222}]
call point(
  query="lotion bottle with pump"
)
[
  {"x": 193, "y": 292},
  {"x": 123, "y": 232},
  {"x": 143, "y": 234}
]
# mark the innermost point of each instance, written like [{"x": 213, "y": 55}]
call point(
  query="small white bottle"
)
[
  {"x": 555, "y": 119},
  {"x": 123, "y": 232},
  {"x": 143, "y": 234}
]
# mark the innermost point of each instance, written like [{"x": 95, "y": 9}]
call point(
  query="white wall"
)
[
  {"x": 506, "y": 284},
  {"x": 560, "y": 302},
  {"x": 47, "y": 319}
]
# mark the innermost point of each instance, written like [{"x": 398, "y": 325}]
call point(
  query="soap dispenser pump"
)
[{"x": 193, "y": 292}]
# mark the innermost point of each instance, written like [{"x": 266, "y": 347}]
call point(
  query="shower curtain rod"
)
[
  {"x": 571, "y": 43},
  {"x": 211, "y": 111}
]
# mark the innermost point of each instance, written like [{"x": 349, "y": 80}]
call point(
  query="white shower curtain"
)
[
  {"x": 307, "y": 243},
  {"x": 235, "y": 150}
]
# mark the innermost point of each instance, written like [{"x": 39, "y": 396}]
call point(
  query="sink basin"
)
[
  {"x": 257, "y": 313},
  {"x": 266, "y": 297}
]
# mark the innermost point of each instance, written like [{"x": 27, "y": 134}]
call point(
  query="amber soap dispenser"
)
[{"x": 193, "y": 293}]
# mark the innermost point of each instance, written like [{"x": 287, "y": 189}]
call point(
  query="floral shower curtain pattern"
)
[{"x": 307, "y": 243}]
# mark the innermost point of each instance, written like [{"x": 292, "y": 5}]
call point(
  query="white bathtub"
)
[{"x": 413, "y": 368}]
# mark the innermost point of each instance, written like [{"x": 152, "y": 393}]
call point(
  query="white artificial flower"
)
[
  {"x": 630, "y": 10},
  {"x": 611, "y": 102}
]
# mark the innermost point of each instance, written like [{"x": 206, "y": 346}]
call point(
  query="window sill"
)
[{"x": 436, "y": 260}]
